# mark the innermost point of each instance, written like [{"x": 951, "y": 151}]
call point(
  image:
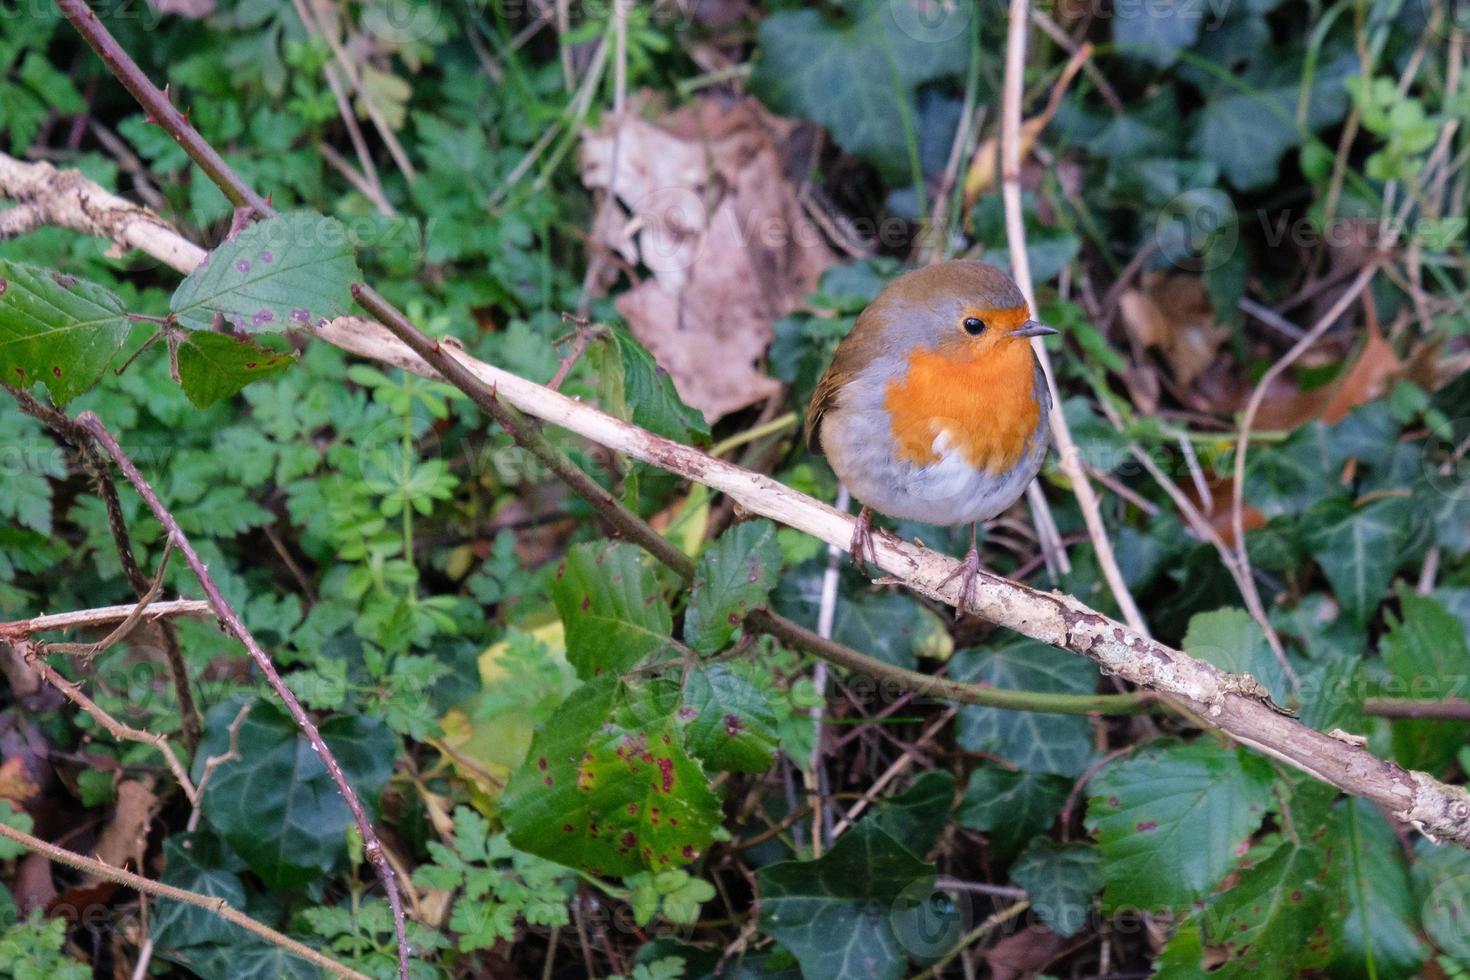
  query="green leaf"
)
[
  {"x": 1288, "y": 478},
  {"x": 1029, "y": 740},
  {"x": 251, "y": 960},
  {"x": 838, "y": 914},
  {"x": 276, "y": 805},
  {"x": 1372, "y": 879},
  {"x": 1278, "y": 919},
  {"x": 1011, "y": 807},
  {"x": 1360, "y": 548},
  {"x": 1442, "y": 881},
  {"x": 1171, "y": 820},
  {"x": 1060, "y": 880},
  {"x": 293, "y": 270},
  {"x": 614, "y": 612},
  {"x": 649, "y": 393},
  {"x": 729, "y": 723},
  {"x": 916, "y": 817},
  {"x": 733, "y": 577},
  {"x": 1233, "y": 641},
  {"x": 200, "y": 863},
  {"x": 215, "y": 366},
  {"x": 56, "y": 329},
  {"x": 857, "y": 78},
  {"x": 16, "y": 820},
  {"x": 608, "y": 787},
  {"x": 1428, "y": 658},
  {"x": 1156, "y": 32}
]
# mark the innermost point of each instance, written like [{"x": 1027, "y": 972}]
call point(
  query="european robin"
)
[{"x": 935, "y": 408}]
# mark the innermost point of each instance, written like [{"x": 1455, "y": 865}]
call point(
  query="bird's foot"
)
[
  {"x": 968, "y": 572},
  {"x": 862, "y": 548}
]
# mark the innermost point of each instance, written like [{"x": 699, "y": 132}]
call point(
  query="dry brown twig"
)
[{"x": 1233, "y": 703}]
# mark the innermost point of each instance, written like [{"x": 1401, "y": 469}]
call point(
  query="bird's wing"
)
[{"x": 855, "y": 351}]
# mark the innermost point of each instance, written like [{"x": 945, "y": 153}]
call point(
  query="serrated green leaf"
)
[
  {"x": 1275, "y": 921},
  {"x": 614, "y": 612},
  {"x": 56, "y": 329},
  {"x": 649, "y": 393},
  {"x": 729, "y": 723},
  {"x": 276, "y": 805},
  {"x": 215, "y": 366},
  {"x": 609, "y": 791},
  {"x": 294, "y": 270},
  {"x": 1029, "y": 740},
  {"x": 734, "y": 576},
  {"x": 1372, "y": 879},
  {"x": 839, "y": 914},
  {"x": 1011, "y": 807},
  {"x": 857, "y": 78},
  {"x": 1171, "y": 820},
  {"x": 1060, "y": 881},
  {"x": 1232, "y": 641}
]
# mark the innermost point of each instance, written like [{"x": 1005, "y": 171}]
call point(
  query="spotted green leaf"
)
[
  {"x": 609, "y": 788},
  {"x": 730, "y": 723},
  {"x": 612, "y": 607},
  {"x": 733, "y": 577},
  {"x": 215, "y": 366},
  {"x": 56, "y": 329},
  {"x": 293, "y": 270},
  {"x": 1195, "y": 799}
]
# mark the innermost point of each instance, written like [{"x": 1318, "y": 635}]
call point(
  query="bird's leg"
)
[
  {"x": 968, "y": 573},
  {"x": 862, "y": 548}
]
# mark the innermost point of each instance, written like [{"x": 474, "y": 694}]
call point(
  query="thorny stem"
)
[{"x": 372, "y": 846}]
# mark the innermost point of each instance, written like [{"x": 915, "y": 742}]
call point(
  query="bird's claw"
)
[
  {"x": 968, "y": 572},
  {"x": 862, "y": 548}
]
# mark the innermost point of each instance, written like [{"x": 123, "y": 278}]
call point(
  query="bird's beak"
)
[{"x": 1033, "y": 329}]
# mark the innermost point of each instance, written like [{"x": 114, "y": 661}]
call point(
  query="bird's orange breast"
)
[{"x": 984, "y": 400}]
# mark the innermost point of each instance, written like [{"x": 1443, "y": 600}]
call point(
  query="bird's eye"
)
[{"x": 974, "y": 326}]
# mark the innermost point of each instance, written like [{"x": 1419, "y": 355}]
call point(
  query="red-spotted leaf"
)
[
  {"x": 733, "y": 577},
  {"x": 1172, "y": 820},
  {"x": 293, "y": 270},
  {"x": 56, "y": 329},
  {"x": 613, "y": 609},
  {"x": 215, "y": 366},
  {"x": 609, "y": 789}
]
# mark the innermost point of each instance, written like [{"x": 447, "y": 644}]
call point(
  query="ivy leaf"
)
[
  {"x": 56, "y": 329},
  {"x": 614, "y": 612},
  {"x": 733, "y": 577},
  {"x": 837, "y": 915},
  {"x": 215, "y": 366},
  {"x": 251, "y": 960},
  {"x": 1442, "y": 878},
  {"x": 1157, "y": 32},
  {"x": 608, "y": 791},
  {"x": 293, "y": 270},
  {"x": 1288, "y": 478},
  {"x": 650, "y": 396},
  {"x": 1232, "y": 641},
  {"x": 1360, "y": 548},
  {"x": 1060, "y": 880},
  {"x": 857, "y": 78},
  {"x": 1011, "y": 807},
  {"x": 1427, "y": 657},
  {"x": 200, "y": 863},
  {"x": 730, "y": 723},
  {"x": 916, "y": 817},
  {"x": 276, "y": 805},
  {"x": 1029, "y": 740},
  {"x": 1170, "y": 820}
]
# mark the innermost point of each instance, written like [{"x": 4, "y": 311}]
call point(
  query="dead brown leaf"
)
[
  {"x": 700, "y": 198},
  {"x": 16, "y": 784},
  {"x": 125, "y": 837},
  {"x": 1023, "y": 954},
  {"x": 1172, "y": 313}
]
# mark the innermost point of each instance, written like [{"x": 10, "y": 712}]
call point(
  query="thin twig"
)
[
  {"x": 372, "y": 846},
  {"x": 1010, "y": 173},
  {"x": 100, "y": 616},
  {"x": 158, "y": 889}
]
